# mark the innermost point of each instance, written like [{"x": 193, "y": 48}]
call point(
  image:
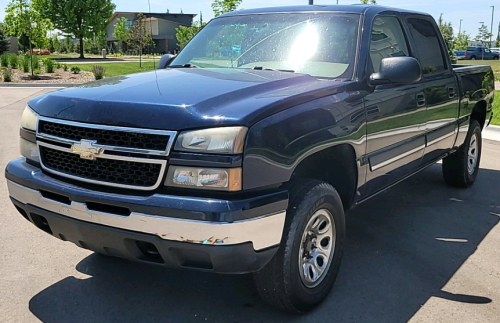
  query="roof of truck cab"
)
[{"x": 355, "y": 8}]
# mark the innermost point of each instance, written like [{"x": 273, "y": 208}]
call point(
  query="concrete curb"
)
[
  {"x": 491, "y": 133},
  {"x": 41, "y": 85}
]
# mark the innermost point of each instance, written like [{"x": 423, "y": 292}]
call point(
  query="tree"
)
[
  {"x": 22, "y": 18},
  {"x": 139, "y": 36},
  {"x": 220, "y": 7},
  {"x": 185, "y": 33},
  {"x": 483, "y": 35},
  {"x": 81, "y": 18},
  {"x": 368, "y": 1},
  {"x": 122, "y": 32},
  {"x": 4, "y": 43},
  {"x": 56, "y": 44},
  {"x": 462, "y": 41},
  {"x": 498, "y": 36},
  {"x": 67, "y": 45},
  {"x": 447, "y": 32}
]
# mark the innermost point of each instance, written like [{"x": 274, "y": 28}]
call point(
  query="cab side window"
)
[
  {"x": 429, "y": 48},
  {"x": 387, "y": 40}
]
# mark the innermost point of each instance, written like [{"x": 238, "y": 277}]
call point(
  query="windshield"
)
[{"x": 322, "y": 45}]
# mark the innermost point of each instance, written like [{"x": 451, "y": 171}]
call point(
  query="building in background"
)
[{"x": 161, "y": 25}]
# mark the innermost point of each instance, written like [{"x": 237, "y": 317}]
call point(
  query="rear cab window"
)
[{"x": 430, "y": 50}]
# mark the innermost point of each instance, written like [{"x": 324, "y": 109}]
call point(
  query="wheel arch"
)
[
  {"x": 336, "y": 166},
  {"x": 479, "y": 113}
]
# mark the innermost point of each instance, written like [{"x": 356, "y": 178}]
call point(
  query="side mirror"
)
[
  {"x": 165, "y": 61},
  {"x": 397, "y": 70}
]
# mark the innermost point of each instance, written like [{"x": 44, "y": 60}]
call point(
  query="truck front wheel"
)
[
  {"x": 302, "y": 273},
  {"x": 460, "y": 168}
]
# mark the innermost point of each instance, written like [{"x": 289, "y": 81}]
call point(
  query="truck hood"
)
[{"x": 183, "y": 98}]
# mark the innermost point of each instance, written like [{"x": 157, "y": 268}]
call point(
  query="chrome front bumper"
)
[
  {"x": 259, "y": 220},
  {"x": 262, "y": 232}
]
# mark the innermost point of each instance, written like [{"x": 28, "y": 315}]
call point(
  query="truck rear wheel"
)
[
  {"x": 302, "y": 273},
  {"x": 460, "y": 168}
]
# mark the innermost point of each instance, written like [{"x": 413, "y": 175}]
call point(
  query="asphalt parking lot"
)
[{"x": 419, "y": 252}]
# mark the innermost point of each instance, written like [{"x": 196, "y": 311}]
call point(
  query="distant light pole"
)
[
  {"x": 460, "y": 27},
  {"x": 491, "y": 30}
]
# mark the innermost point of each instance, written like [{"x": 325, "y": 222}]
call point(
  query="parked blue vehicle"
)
[
  {"x": 478, "y": 52},
  {"x": 460, "y": 54},
  {"x": 246, "y": 164}
]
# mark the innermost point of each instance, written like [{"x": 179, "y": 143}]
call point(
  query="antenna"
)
[
  {"x": 154, "y": 61},
  {"x": 151, "y": 28}
]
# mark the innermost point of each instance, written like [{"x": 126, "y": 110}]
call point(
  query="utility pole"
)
[
  {"x": 311, "y": 2},
  {"x": 491, "y": 29},
  {"x": 460, "y": 27}
]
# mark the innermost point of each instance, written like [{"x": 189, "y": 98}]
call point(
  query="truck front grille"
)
[
  {"x": 100, "y": 169},
  {"x": 104, "y": 155},
  {"x": 118, "y": 138}
]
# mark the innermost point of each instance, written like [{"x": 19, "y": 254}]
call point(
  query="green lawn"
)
[
  {"x": 116, "y": 69},
  {"x": 496, "y": 109},
  {"x": 495, "y": 65}
]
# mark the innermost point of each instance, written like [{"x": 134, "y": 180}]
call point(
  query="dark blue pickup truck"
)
[
  {"x": 478, "y": 52},
  {"x": 247, "y": 161}
]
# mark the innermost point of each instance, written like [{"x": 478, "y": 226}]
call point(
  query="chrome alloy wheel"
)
[
  {"x": 472, "y": 154},
  {"x": 316, "y": 248}
]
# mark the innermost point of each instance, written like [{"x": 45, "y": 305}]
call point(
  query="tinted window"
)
[
  {"x": 427, "y": 42},
  {"x": 471, "y": 48},
  {"x": 387, "y": 40}
]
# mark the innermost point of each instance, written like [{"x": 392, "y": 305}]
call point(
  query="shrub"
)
[
  {"x": 4, "y": 60},
  {"x": 37, "y": 71},
  {"x": 75, "y": 70},
  {"x": 36, "y": 62},
  {"x": 49, "y": 65},
  {"x": 65, "y": 67},
  {"x": 25, "y": 63},
  {"x": 99, "y": 72},
  {"x": 13, "y": 61},
  {"x": 7, "y": 75}
]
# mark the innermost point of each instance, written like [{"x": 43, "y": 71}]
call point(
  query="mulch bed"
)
[{"x": 59, "y": 76}]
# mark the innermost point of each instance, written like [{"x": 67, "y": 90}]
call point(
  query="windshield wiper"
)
[
  {"x": 188, "y": 65},
  {"x": 263, "y": 68}
]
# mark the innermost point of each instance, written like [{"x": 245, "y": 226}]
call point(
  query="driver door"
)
[{"x": 395, "y": 114}]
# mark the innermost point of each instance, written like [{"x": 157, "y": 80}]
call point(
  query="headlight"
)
[
  {"x": 29, "y": 119},
  {"x": 224, "y": 140},
  {"x": 228, "y": 179},
  {"x": 29, "y": 150}
]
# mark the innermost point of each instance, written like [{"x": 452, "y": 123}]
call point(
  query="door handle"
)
[
  {"x": 420, "y": 99},
  {"x": 451, "y": 92}
]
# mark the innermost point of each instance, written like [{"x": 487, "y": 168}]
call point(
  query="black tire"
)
[
  {"x": 473, "y": 58},
  {"x": 280, "y": 283},
  {"x": 456, "y": 171},
  {"x": 495, "y": 58}
]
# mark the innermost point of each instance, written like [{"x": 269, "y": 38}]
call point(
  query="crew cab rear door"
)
[{"x": 441, "y": 87}]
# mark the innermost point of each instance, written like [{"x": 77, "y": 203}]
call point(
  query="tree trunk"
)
[
  {"x": 31, "y": 58},
  {"x": 81, "y": 48},
  {"x": 140, "y": 56}
]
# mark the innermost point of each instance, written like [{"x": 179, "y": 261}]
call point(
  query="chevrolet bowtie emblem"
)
[{"x": 86, "y": 149}]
